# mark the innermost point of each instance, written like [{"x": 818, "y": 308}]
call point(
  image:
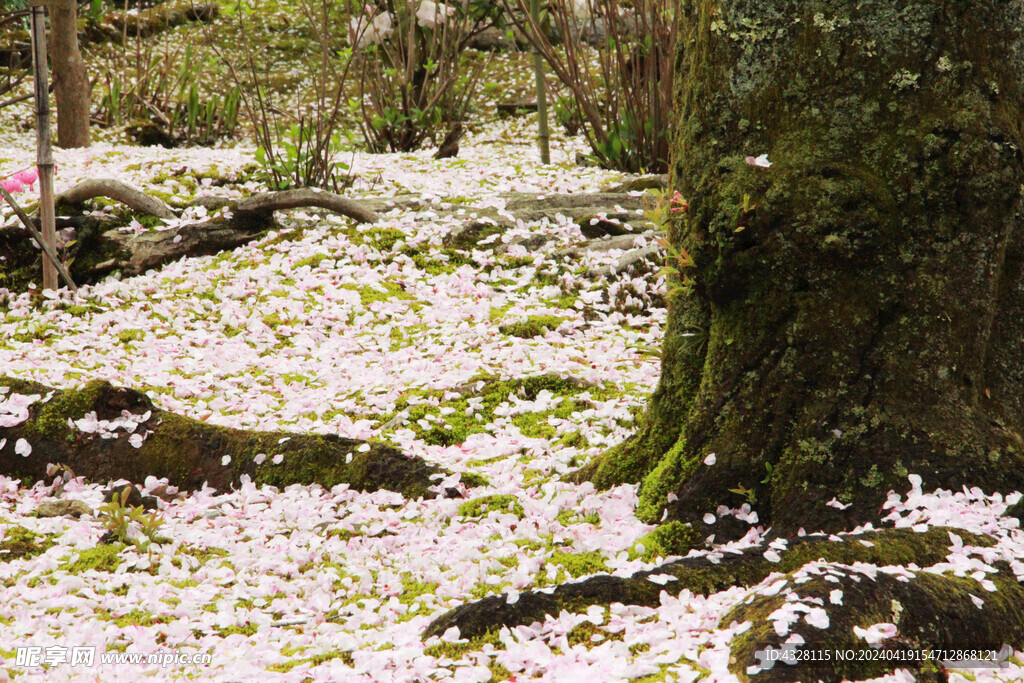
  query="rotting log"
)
[{"x": 63, "y": 427}]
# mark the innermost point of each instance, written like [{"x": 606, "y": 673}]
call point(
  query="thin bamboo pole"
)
[
  {"x": 44, "y": 155},
  {"x": 543, "y": 136},
  {"x": 47, "y": 249}
]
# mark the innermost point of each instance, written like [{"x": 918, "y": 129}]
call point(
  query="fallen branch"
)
[
  {"x": 935, "y": 610},
  {"x": 116, "y": 190},
  {"x": 306, "y": 197}
]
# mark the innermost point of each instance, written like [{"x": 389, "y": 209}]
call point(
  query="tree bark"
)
[
  {"x": 855, "y": 316},
  {"x": 192, "y": 454},
  {"x": 70, "y": 80},
  {"x": 857, "y": 308}
]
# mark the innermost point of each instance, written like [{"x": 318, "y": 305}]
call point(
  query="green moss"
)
[
  {"x": 460, "y": 425},
  {"x": 583, "y": 634},
  {"x": 456, "y": 651},
  {"x": 203, "y": 554},
  {"x": 102, "y": 558},
  {"x": 578, "y": 564},
  {"x": 247, "y": 629},
  {"x": 412, "y": 589},
  {"x": 284, "y": 667},
  {"x": 19, "y": 543},
  {"x": 371, "y": 294},
  {"x": 49, "y": 420},
  {"x": 480, "y": 507},
  {"x": 383, "y": 238},
  {"x": 126, "y": 336},
  {"x": 136, "y": 618},
  {"x": 533, "y": 326},
  {"x": 673, "y": 538},
  {"x": 311, "y": 261}
]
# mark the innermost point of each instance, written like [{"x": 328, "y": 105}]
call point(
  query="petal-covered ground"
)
[{"x": 376, "y": 332}]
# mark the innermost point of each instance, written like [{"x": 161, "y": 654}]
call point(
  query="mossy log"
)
[
  {"x": 188, "y": 452},
  {"x": 99, "y": 249},
  {"x": 931, "y": 610}
]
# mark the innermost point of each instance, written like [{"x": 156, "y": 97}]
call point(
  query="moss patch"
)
[
  {"x": 102, "y": 558},
  {"x": 19, "y": 543},
  {"x": 481, "y": 507},
  {"x": 533, "y": 326}
]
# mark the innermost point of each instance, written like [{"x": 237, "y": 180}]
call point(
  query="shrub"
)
[
  {"x": 621, "y": 96},
  {"x": 411, "y": 87}
]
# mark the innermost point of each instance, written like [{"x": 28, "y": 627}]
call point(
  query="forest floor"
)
[{"x": 371, "y": 332}]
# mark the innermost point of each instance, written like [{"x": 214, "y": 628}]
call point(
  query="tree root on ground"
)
[
  {"x": 99, "y": 249},
  {"x": 931, "y": 610},
  {"x": 139, "y": 440}
]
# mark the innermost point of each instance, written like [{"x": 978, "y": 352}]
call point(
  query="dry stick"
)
[
  {"x": 47, "y": 249},
  {"x": 44, "y": 156}
]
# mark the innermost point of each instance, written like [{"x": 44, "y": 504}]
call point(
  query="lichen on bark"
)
[
  {"x": 857, "y": 306},
  {"x": 857, "y": 314}
]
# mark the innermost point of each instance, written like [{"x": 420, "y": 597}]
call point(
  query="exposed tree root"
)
[
  {"x": 188, "y": 452},
  {"x": 98, "y": 249},
  {"x": 115, "y": 189},
  {"x": 268, "y": 203},
  {"x": 934, "y": 610}
]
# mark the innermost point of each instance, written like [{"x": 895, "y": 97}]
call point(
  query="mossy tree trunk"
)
[
  {"x": 855, "y": 317},
  {"x": 857, "y": 308}
]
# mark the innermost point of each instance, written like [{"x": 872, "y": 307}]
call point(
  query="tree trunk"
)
[
  {"x": 70, "y": 80},
  {"x": 856, "y": 316},
  {"x": 857, "y": 308}
]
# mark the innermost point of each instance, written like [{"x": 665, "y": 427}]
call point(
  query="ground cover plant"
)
[{"x": 503, "y": 350}]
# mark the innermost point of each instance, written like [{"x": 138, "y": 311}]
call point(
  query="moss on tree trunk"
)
[
  {"x": 188, "y": 452},
  {"x": 857, "y": 312},
  {"x": 857, "y": 315}
]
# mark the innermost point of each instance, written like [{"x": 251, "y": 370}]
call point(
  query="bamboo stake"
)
[
  {"x": 47, "y": 249},
  {"x": 543, "y": 136},
  {"x": 44, "y": 155}
]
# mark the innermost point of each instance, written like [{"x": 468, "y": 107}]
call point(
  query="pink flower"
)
[
  {"x": 678, "y": 203},
  {"x": 12, "y": 185},
  {"x": 27, "y": 177},
  {"x": 430, "y": 14},
  {"x": 761, "y": 161}
]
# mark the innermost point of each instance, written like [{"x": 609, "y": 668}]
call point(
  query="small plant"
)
[
  {"x": 411, "y": 87},
  {"x": 296, "y": 146},
  {"x": 128, "y": 523},
  {"x": 749, "y": 494},
  {"x": 298, "y": 159},
  {"x": 678, "y": 260},
  {"x": 159, "y": 88}
]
